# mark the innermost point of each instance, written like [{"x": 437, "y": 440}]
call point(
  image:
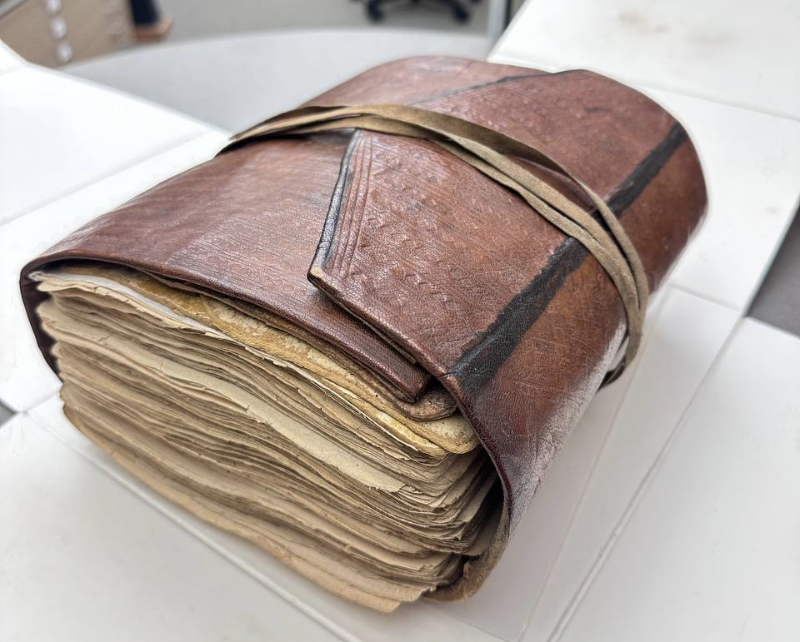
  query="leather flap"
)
[{"x": 519, "y": 322}]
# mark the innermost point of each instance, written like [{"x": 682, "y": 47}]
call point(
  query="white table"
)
[
  {"x": 641, "y": 529},
  {"x": 729, "y": 51},
  {"x": 236, "y": 80}
]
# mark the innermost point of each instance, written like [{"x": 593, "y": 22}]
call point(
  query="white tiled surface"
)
[
  {"x": 711, "y": 551},
  {"x": 729, "y": 51},
  {"x": 60, "y": 134}
]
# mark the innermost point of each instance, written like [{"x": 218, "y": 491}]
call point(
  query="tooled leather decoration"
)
[{"x": 426, "y": 268}]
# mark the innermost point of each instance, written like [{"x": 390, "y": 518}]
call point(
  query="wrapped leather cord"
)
[{"x": 491, "y": 153}]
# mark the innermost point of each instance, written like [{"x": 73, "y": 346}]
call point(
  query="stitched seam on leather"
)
[
  {"x": 332, "y": 219},
  {"x": 342, "y": 236},
  {"x": 363, "y": 197}
]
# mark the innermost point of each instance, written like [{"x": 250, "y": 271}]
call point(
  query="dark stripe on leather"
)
[{"x": 478, "y": 364}]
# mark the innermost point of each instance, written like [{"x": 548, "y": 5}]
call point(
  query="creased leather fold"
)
[{"x": 418, "y": 270}]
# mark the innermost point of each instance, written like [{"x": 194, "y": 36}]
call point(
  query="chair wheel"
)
[
  {"x": 374, "y": 14},
  {"x": 460, "y": 14}
]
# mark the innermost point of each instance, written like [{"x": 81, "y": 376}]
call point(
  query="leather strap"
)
[{"x": 492, "y": 153}]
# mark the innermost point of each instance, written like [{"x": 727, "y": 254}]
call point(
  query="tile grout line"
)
[
  {"x": 641, "y": 491},
  {"x": 711, "y": 299}
]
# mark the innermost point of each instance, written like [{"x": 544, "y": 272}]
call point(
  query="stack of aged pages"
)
[
  {"x": 261, "y": 433},
  {"x": 358, "y": 340}
]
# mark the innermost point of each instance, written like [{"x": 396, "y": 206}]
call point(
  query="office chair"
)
[{"x": 460, "y": 12}]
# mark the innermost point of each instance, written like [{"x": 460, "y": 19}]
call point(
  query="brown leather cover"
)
[{"x": 419, "y": 267}]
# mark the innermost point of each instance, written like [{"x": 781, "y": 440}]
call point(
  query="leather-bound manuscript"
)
[{"x": 358, "y": 336}]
